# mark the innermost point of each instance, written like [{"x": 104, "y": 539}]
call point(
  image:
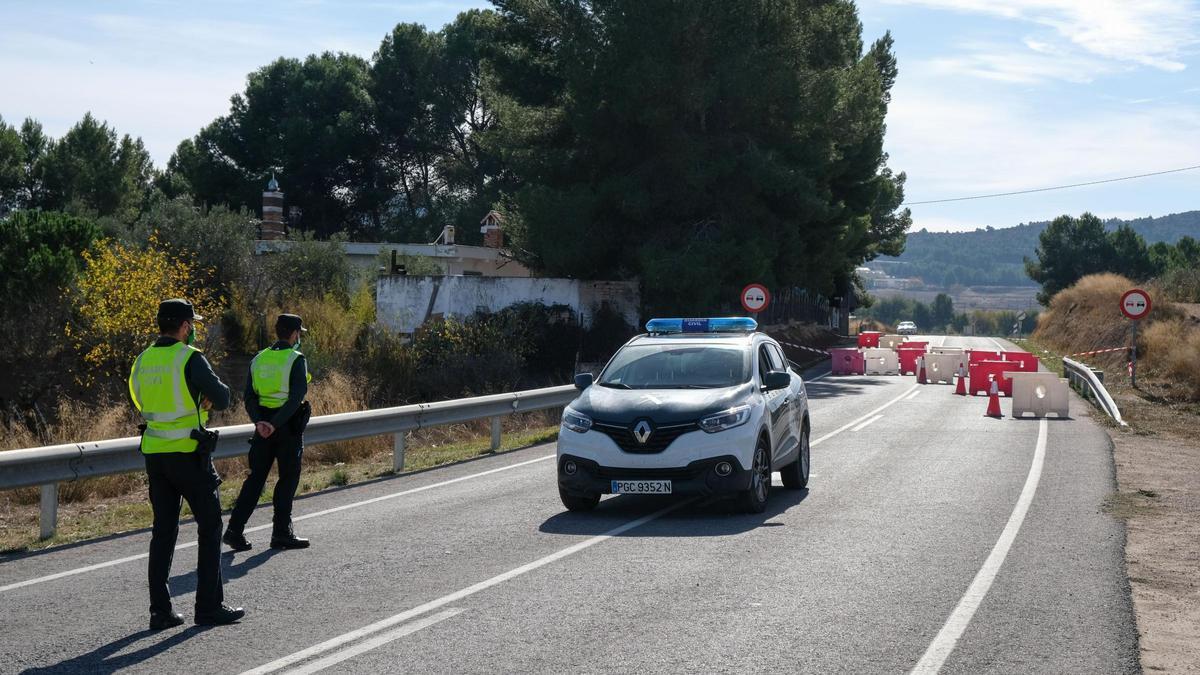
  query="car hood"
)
[{"x": 662, "y": 406}]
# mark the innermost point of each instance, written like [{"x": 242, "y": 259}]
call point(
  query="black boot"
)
[
  {"x": 287, "y": 540},
  {"x": 220, "y": 616},
  {"x": 236, "y": 541},
  {"x": 161, "y": 620}
]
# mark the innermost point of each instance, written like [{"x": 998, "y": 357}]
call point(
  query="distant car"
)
[
  {"x": 697, "y": 406},
  {"x": 906, "y": 328}
]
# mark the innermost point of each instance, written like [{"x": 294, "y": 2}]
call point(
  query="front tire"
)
[
  {"x": 795, "y": 475},
  {"x": 754, "y": 499},
  {"x": 578, "y": 503}
]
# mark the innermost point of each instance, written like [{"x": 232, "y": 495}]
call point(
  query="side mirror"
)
[
  {"x": 777, "y": 380},
  {"x": 584, "y": 380}
]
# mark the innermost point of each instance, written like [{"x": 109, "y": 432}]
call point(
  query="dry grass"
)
[{"x": 1086, "y": 317}]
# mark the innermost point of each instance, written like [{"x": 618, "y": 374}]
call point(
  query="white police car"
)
[{"x": 694, "y": 406}]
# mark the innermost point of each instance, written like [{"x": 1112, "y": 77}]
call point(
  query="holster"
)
[
  {"x": 299, "y": 421},
  {"x": 206, "y": 440}
]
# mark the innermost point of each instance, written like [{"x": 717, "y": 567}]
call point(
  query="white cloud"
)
[
  {"x": 953, "y": 147},
  {"x": 1041, "y": 63},
  {"x": 1156, "y": 33}
]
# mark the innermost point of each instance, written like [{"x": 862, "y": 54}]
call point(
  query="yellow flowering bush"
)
[{"x": 117, "y": 297}]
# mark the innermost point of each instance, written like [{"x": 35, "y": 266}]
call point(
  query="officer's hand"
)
[
  {"x": 265, "y": 429},
  {"x": 205, "y": 404}
]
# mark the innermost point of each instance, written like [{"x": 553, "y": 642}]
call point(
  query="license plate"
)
[{"x": 641, "y": 487}]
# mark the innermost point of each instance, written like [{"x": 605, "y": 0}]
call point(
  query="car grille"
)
[
  {"x": 660, "y": 439},
  {"x": 617, "y": 473}
]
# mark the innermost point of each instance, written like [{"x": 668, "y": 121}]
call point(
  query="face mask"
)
[
  {"x": 297, "y": 345},
  {"x": 191, "y": 337}
]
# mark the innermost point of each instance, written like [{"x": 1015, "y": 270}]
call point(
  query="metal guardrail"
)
[
  {"x": 48, "y": 466},
  {"x": 1089, "y": 381}
]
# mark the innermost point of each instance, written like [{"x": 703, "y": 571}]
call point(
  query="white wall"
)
[{"x": 403, "y": 303}]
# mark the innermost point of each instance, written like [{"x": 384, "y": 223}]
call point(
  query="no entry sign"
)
[
  {"x": 1135, "y": 304},
  {"x": 755, "y": 298}
]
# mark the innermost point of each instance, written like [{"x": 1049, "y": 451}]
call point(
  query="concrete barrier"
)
[
  {"x": 940, "y": 368},
  {"x": 1039, "y": 394},
  {"x": 982, "y": 373},
  {"x": 869, "y": 338},
  {"x": 907, "y": 357},
  {"x": 973, "y": 356},
  {"x": 1029, "y": 362},
  {"x": 945, "y": 350},
  {"x": 845, "y": 361},
  {"x": 890, "y": 341},
  {"x": 881, "y": 361}
]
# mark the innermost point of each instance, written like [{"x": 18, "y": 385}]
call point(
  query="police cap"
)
[
  {"x": 178, "y": 308},
  {"x": 288, "y": 323}
]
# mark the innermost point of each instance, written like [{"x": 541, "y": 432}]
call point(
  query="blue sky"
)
[{"x": 993, "y": 96}]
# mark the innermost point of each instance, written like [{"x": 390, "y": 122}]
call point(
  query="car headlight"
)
[
  {"x": 576, "y": 422},
  {"x": 734, "y": 417}
]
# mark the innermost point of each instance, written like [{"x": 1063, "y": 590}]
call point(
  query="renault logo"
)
[{"x": 642, "y": 431}]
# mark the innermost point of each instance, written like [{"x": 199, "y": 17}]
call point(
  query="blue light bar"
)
[{"x": 731, "y": 324}]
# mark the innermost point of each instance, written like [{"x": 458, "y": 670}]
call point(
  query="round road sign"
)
[
  {"x": 1135, "y": 304},
  {"x": 755, "y": 298}
]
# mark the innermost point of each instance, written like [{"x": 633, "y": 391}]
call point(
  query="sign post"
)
[
  {"x": 1135, "y": 304},
  {"x": 755, "y": 298}
]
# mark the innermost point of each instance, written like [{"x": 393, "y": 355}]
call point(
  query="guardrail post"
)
[
  {"x": 398, "y": 452},
  {"x": 49, "y": 516},
  {"x": 496, "y": 433}
]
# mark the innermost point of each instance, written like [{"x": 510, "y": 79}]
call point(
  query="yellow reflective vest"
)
[
  {"x": 160, "y": 393},
  {"x": 271, "y": 376}
]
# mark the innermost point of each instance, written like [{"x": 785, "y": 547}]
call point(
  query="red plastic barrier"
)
[
  {"x": 913, "y": 344},
  {"x": 908, "y": 358},
  {"x": 847, "y": 361},
  {"x": 869, "y": 338},
  {"x": 981, "y": 374},
  {"x": 975, "y": 356},
  {"x": 1029, "y": 362}
]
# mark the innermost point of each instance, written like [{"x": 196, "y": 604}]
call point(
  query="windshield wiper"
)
[{"x": 615, "y": 385}]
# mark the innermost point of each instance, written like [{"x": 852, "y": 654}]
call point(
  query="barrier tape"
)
[
  {"x": 1100, "y": 351},
  {"x": 807, "y": 349}
]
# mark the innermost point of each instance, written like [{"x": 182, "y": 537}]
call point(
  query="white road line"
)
[
  {"x": 384, "y": 624},
  {"x": 880, "y": 409},
  {"x": 367, "y": 645},
  {"x": 325, "y": 512},
  {"x": 999, "y": 347},
  {"x": 814, "y": 379},
  {"x": 868, "y": 423},
  {"x": 913, "y": 395},
  {"x": 947, "y": 638}
]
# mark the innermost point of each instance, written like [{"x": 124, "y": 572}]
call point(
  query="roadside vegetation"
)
[{"x": 940, "y": 317}]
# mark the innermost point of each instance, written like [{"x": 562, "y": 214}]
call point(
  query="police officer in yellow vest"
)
[
  {"x": 275, "y": 403},
  {"x": 166, "y": 384}
]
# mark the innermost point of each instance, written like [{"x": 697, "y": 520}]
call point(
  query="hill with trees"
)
[{"x": 995, "y": 256}]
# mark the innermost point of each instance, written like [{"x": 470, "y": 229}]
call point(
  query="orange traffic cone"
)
[
  {"x": 994, "y": 402},
  {"x": 921, "y": 370},
  {"x": 961, "y": 390}
]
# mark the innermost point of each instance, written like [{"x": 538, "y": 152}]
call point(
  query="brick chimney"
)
[
  {"x": 272, "y": 211},
  {"x": 493, "y": 236}
]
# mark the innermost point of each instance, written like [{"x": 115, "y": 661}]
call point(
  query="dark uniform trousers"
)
[
  {"x": 175, "y": 476},
  {"x": 286, "y": 448}
]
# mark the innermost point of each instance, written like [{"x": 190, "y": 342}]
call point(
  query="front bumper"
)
[{"x": 698, "y": 477}]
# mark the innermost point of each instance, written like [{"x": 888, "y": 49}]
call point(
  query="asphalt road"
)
[{"x": 931, "y": 537}]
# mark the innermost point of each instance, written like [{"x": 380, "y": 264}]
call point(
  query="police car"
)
[{"x": 694, "y": 406}]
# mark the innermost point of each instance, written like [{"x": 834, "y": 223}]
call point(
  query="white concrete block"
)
[
  {"x": 881, "y": 361},
  {"x": 940, "y": 368},
  {"x": 1040, "y": 394}
]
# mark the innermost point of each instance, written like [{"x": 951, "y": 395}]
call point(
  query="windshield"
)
[{"x": 677, "y": 367}]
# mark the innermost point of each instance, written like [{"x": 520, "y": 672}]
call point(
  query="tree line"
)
[
  {"x": 694, "y": 146},
  {"x": 940, "y": 316},
  {"x": 1071, "y": 248}
]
